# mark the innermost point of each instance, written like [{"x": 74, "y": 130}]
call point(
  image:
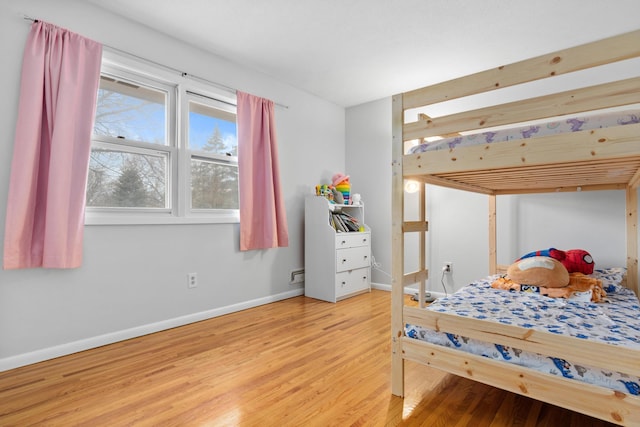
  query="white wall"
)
[
  {"x": 368, "y": 151},
  {"x": 458, "y": 221},
  {"x": 133, "y": 279}
]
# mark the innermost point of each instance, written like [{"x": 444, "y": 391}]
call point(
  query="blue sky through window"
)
[{"x": 202, "y": 127}]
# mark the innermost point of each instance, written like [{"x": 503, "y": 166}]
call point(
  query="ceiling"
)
[{"x": 353, "y": 51}]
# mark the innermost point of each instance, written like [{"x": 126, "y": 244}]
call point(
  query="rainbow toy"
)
[{"x": 341, "y": 183}]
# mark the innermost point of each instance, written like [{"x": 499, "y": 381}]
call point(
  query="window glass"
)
[
  {"x": 130, "y": 111},
  {"x": 124, "y": 179},
  {"x": 214, "y": 185},
  {"x": 212, "y": 129}
]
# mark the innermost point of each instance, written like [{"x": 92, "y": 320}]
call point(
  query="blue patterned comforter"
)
[{"x": 616, "y": 321}]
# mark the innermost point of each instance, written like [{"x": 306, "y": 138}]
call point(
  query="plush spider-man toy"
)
[{"x": 574, "y": 260}]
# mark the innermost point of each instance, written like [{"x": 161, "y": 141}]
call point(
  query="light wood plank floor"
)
[{"x": 298, "y": 362}]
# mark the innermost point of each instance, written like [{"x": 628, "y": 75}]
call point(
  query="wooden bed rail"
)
[
  {"x": 585, "y": 398},
  {"x": 592, "y": 98},
  {"x": 588, "y": 352},
  {"x": 553, "y": 150},
  {"x": 613, "y": 49}
]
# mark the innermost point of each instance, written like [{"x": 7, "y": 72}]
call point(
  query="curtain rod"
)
[{"x": 166, "y": 67}]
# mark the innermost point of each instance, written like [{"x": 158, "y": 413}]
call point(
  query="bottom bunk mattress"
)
[{"x": 615, "y": 321}]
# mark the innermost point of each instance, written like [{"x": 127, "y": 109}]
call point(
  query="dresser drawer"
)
[
  {"x": 352, "y": 281},
  {"x": 352, "y": 258},
  {"x": 350, "y": 240}
]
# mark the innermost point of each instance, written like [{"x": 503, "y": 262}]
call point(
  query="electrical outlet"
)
[
  {"x": 448, "y": 267},
  {"x": 192, "y": 280}
]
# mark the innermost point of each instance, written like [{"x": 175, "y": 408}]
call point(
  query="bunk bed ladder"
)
[{"x": 399, "y": 227}]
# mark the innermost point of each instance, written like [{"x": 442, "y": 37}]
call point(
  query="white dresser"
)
[{"x": 337, "y": 264}]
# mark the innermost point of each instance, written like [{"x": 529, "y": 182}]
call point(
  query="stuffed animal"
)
[
  {"x": 552, "y": 273},
  {"x": 574, "y": 260},
  {"x": 337, "y": 196},
  {"x": 324, "y": 190},
  {"x": 539, "y": 271},
  {"x": 583, "y": 285},
  {"x": 580, "y": 288}
]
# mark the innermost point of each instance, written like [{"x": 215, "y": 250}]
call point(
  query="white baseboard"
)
[
  {"x": 110, "y": 338},
  {"x": 385, "y": 287}
]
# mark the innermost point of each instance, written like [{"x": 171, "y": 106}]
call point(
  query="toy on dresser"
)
[
  {"x": 339, "y": 191},
  {"x": 342, "y": 186}
]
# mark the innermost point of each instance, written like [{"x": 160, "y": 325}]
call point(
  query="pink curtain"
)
[
  {"x": 45, "y": 208},
  {"x": 263, "y": 221}
]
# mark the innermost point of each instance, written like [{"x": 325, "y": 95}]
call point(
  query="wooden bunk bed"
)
[{"x": 576, "y": 161}]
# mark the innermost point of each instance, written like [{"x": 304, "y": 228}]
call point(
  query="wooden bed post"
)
[
  {"x": 632, "y": 239},
  {"x": 422, "y": 243},
  {"x": 493, "y": 257},
  {"x": 397, "y": 249}
]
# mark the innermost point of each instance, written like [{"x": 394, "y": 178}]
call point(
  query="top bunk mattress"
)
[{"x": 573, "y": 124}]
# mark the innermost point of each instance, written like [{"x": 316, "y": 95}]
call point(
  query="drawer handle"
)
[
  {"x": 344, "y": 283},
  {"x": 344, "y": 260},
  {"x": 343, "y": 242},
  {"x": 364, "y": 240}
]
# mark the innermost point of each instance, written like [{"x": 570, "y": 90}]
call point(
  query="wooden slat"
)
[
  {"x": 444, "y": 182},
  {"x": 623, "y": 171},
  {"x": 415, "y": 226},
  {"x": 622, "y": 92},
  {"x": 415, "y": 277},
  {"x": 579, "y": 396},
  {"x": 592, "y": 175},
  {"x": 564, "y": 61},
  {"x": 606, "y": 356},
  {"x": 565, "y": 189},
  {"x": 578, "y": 177},
  {"x": 564, "y": 170},
  {"x": 574, "y": 174}
]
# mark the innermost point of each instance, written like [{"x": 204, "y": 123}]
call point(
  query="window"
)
[
  {"x": 213, "y": 144},
  {"x": 164, "y": 149}
]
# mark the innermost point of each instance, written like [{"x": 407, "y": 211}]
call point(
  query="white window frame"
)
[{"x": 180, "y": 90}]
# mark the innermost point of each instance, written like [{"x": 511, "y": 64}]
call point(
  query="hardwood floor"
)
[{"x": 298, "y": 362}]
